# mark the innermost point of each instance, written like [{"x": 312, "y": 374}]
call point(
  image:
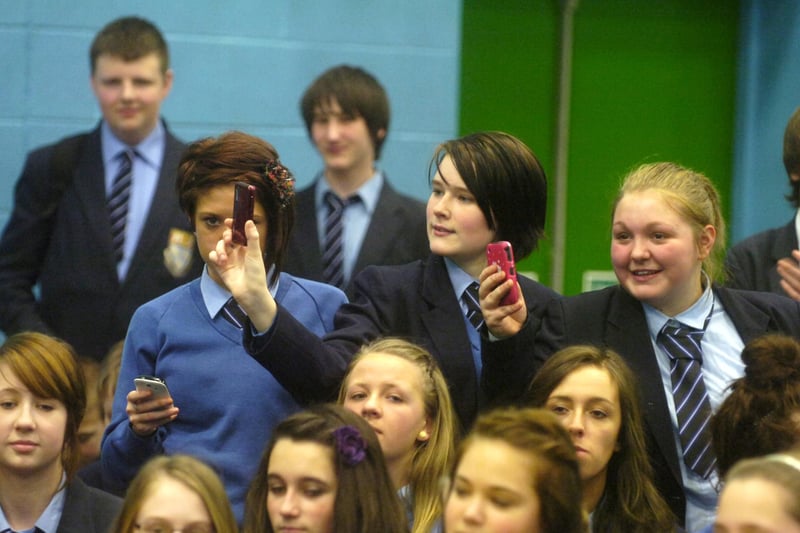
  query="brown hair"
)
[
  {"x": 508, "y": 183},
  {"x": 129, "y": 38},
  {"x": 357, "y": 92},
  {"x": 49, "y": 368},
  {"x": 237, "y": 156},
  {"x": 432, "y": 458},
  {"x": 791, "y": 156},
  {"x": 365, "y": 502},
  {"x": 555, "y": 477},
  {"x": 192, "y": 472},
  {"x": 762, "y": 404},
  {"x": 631, "y": 501}
]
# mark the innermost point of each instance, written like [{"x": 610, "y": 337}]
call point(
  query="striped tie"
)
[
  {"x": 692, "y": 408},
  {"x": 118, "y": 202},
  {"x": 333, "y": 252},
  {"x": 233, "y": 313},
  {"x": 470, "y": 298}
]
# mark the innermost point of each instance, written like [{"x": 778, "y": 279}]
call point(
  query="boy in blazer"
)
[
  {"x": 346, "y": 113},
  {"x": 59, "y": 234}
]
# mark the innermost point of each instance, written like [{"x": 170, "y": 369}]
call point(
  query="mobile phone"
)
[
  {"x": 156, "y": 385},
  {"x": 501, "y": 254},
  {"x": 244, "y": 198}
]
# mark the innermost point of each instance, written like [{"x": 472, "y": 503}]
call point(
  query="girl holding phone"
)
[
  {"x": 221, "y": 405},
  {"x": 485, "y": 187}
]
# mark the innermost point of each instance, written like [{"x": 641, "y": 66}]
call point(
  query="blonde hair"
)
[
  {"x": 690, "y": 194},
  {"x": 432, "y": 458},
  {"x": 192, "y": 472}
]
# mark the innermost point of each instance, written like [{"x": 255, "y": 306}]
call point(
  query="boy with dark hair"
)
[{"x": 351, "y": 217}]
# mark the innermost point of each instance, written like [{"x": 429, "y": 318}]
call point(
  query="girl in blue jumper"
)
[{"x": 222, "y": 404}]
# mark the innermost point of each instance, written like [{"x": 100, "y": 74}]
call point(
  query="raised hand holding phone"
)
[
  {"x": 243, "y": 204},
  {"x": 501, "y": 254}
]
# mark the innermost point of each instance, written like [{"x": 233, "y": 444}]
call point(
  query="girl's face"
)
[
  {"x": 587, "y": 403},
  {"x": 214, "y": 205},
  {"x": 456, "y": 226},
  {"x": 655, "y": 253},
  {"x": 754, "y": 505},
  {"x": 32, "y": 429},
  {"x": 493, "y": 491},
  {"x": 301, "y": 487},
  {"x": 171, "y": 505},
  {"x": 388, "y": 391}
]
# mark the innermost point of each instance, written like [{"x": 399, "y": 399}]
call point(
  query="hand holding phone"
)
[
  {"x": 155, "y": 385},
  {"x": 501, "y": 254},
  {"x": 243, "y": 204}
]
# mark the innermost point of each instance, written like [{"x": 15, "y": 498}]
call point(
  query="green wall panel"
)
[{"x": 652, "y": 80}]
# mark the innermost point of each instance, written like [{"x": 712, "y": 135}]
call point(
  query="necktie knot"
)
[
  {"x": 682, "y": 341},
  {"x": 233, "y": 313}
]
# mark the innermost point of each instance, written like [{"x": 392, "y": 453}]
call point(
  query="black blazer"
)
[
  {"x": 751, "y": 264},
  {"x": 87, "y": 510},
  {"x": 612, "y": 317},
  {"x": 396, "y": 235},
  {"x": 415, "y": 301},
  {"x": 66, "y": 249}
]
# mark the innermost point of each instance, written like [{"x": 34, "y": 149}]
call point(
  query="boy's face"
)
[
  {"x": 342, "y": 140},
  {"x": 130, "y": 94}
]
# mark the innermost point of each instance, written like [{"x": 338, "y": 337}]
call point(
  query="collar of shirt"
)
[
  {"x": 150, "y": 150},
  {"x": 49, "y": 519},
  {"x": 459, "y": 279},
  {"x": 695, "y": 316},
  {"x": 369, "y": 193},
  {"x": 215, "y": 296}
]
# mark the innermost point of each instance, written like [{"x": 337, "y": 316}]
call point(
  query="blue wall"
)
[
  {"x": 239, "y": 64},
  {"x": 768, "y": 93}
]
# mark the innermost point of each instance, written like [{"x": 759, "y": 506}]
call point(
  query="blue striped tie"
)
[
  {"x": 472, "y": 301},
  {"x": 692, "y": 407},
  {"x": 118, "y": 202},
  {"x": 233, "y": 313},
  {"x": 333, "y": 252}
]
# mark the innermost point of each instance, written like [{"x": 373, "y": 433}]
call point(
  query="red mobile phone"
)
[
  {"x": 501, "y": 254},
  {"x": 243, "y": 203}
]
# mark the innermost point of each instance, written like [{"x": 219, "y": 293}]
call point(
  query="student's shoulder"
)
[{"x": 314, "y": 289}]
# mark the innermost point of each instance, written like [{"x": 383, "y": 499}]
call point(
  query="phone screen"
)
[{"x": 243, "y": 204}]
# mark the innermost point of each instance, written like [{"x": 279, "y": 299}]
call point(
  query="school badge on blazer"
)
[{"x": 178, "y": 253}]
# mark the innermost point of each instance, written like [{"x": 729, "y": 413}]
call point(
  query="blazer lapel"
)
[
  {"x": 749, "y": 320},
  {"x": 383, "y": 227},
  {"x": 627, "y": 329},
  {"x": 305, "y": 232}
]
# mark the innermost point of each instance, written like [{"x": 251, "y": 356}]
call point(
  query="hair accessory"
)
[
  {"x": 350, "y": 444},
  {"x": 283, "y": 181}
]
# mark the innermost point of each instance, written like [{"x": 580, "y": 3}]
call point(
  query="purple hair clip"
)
[
  {"x": 350, "y": 445},
  {"x": 283, "y": 181}
]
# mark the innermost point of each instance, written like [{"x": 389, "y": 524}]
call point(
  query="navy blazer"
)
[
  {"x": 612, "y": 317},
  {"x": 415, "y": 301},
  {"x": 87, "y": 510},
  {"x": 752, "y": 263},
  {"x": 396, "y": 235},
  {"x": 67, "y": 250}
]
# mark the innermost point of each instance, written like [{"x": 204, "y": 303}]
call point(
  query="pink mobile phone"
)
[
  {"x": 243, "y": 204},
  {"x": 501, "y": 254}
]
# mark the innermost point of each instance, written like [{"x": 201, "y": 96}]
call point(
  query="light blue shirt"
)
[
  {"x": 460, "y": 281},
  {"x": 722, "y": 363},
  {"x": 215, "y": 296},
  {"x": 146, "y": 170},
  {"x": 49, "y": 519},
  {"x": 355, "y": 219}
]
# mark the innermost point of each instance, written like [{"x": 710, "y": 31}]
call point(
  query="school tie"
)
[
  {"x": 692, "y": 407},
  {"x": 118, "y": 202},
  {"x": 233, "y": 313},
  {"x": 472, "y": 301},
  {"x": 333, "y": 251}
]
